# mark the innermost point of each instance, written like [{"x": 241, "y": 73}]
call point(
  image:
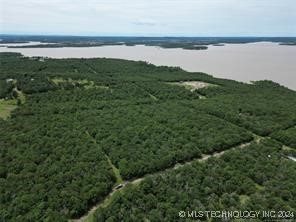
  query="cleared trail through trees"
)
[
  {"x": 120, "y": 188},
  {"x": 114, "y": 168},
  {"x": 135, "y": 181},
  {"x": 147, "y": 91}
]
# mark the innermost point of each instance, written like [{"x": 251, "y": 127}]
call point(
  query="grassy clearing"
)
[
  {"x": 243, "y": 199},
  {"x": 259, "y": 187},
  {"x": 6, "y": 107}
]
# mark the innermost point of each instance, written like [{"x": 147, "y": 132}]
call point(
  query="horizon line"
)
[{"x": 150, "y": 36}]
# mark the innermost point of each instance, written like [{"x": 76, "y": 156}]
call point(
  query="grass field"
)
[{"x": 6, "y": 107}]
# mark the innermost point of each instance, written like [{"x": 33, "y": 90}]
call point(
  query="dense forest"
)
[
  {"x": 253, "y": 178},
  {"x": 287, "y": 136},
  {"x": 79, "y": 127}
]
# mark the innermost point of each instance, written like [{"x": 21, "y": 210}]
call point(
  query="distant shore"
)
[
  {"x": 190, "y": 43},
  {"x": 241, "y": 62}
]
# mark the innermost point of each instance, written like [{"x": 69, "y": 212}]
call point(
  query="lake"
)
[{"x": 241, "y": 62}]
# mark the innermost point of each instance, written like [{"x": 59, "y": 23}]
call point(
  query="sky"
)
[{"x": 149, "y": 17}]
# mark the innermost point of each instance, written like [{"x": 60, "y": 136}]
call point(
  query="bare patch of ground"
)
[{"x": 193, "y": 85}]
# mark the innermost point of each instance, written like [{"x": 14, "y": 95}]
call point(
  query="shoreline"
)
[{"x": 240, "y": 62}]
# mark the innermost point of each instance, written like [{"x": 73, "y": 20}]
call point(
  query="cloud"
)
[{"x": 153, "y": 17}]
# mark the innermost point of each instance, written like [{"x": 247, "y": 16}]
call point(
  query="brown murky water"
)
[{"x": 242, "y": 62}]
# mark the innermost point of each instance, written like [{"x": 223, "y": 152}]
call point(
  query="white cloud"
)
[{"x": 153, "y": 17}]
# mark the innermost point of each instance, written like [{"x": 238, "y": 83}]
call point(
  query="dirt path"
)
[
  {"x": 87, "y": 217},
  {"x": 147, "y": 91},
  {"x": 115, "y": 170}
]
